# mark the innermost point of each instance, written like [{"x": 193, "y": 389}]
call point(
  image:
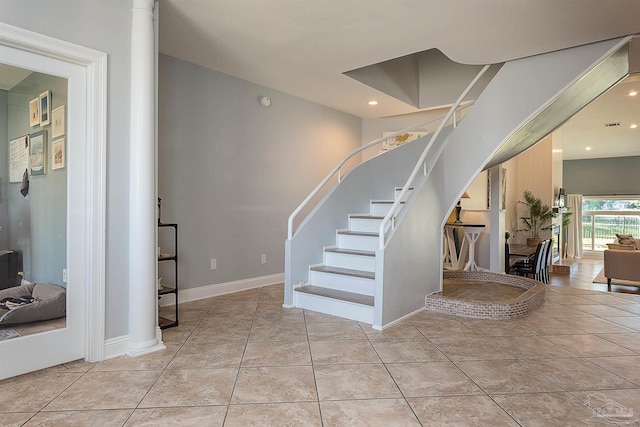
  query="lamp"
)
[{"x": 459, "y": 207}]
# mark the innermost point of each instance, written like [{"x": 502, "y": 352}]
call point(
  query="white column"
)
[{"x": 143, "y": 302}]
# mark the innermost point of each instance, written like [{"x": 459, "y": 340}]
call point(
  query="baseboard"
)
[
  {"x": 119, "y": 346},
  {"x": 388, "y": 325},
  {"x": 208, "y": 291}
]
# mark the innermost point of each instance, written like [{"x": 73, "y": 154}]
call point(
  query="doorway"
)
[{"x": 85, "y": 70}]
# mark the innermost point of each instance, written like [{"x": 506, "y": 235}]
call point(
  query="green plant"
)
[
  {"x": 507, "y": 235},
  {"x": 540, "y": 215}
]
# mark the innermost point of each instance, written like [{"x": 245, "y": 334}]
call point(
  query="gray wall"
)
[
  {"x": 4, "y": 114},
  {"x": 230, "y": 171},
  {"x": 36, "y": 225},
  {"x": 104, "y": 25},
  {"x": 616, "y": 175}
]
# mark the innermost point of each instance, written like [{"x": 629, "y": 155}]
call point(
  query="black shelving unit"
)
[{"x": 165, "y": 290}]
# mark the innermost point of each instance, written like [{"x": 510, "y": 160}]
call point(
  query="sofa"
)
[{"x": 622, "y": 265}]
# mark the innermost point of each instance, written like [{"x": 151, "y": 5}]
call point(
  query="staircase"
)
[{"x": 344, "y": 284}]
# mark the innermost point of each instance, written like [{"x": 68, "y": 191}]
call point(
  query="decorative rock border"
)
[{"x": 534, "y": 295}]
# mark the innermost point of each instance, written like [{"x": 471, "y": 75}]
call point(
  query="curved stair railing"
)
[
  {"x": 421, "y": 163},
  {"x": 338, "y": 168}
]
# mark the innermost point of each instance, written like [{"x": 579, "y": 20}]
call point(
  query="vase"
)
[{"x": 533, "y": 241}]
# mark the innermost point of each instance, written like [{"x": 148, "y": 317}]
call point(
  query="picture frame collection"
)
[{"x": 41, "y": 115}]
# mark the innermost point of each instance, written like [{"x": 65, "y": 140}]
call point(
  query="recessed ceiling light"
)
[
  {"x": 373, "y": 102},
  {"x": 587, "y": 148},
  {"x": 633, "y": 93},
  {"x": 633, "y": 126}
]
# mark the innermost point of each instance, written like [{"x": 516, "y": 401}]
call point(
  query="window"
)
[{"x": 603, "y": 217}]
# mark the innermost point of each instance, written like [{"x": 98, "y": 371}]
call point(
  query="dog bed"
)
[{"x": 49, "y": 303}]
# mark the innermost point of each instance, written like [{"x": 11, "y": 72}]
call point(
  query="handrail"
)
[
  {"x": 421, "y": 161},
  {"x": 337, "y": 168}
]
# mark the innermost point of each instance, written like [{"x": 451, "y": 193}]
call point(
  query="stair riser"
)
[
  {"x": 379, "y": 209},
  {"x": 344, "y": 309},
  {"x": 360, "y": 243},
  {"x": 366, "y": 225},
  {"x": 354, "y": 262},
  {"x": 406, "y": 195},
  {"x": 342, "y": 282}
]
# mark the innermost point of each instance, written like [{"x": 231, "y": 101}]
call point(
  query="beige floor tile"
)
[
  {"x": 477, "y": 411},
  {"x": 626, "y": 367},
  {"x": 75, "y": 366},
  {"x": 226, "y": 306},
  {"x": 335, "y": 382},
  {"x": 216, "y": 317},
  {"x": 628, "y": 322},
  {"x": 272, "y": 353},
  {"x": 426, "y": 316},
  {"x": 605, "y": 298},
  {"x": 569, "y": 300},
  {"x": 102, "y": 418},
  {"x": 577, "y": 374},
  {"x": 378, "y": 412},
  {"x": 625, "y": 401},
  {"x": 178, "y": 334},
  {"x": 401, "y": 350},
  {"x": 231, "y": 332},
  {"x": 274, "y": 384},
  {"x": 603, "y": 310},
  {"x": 545, "y": 409},
  {"x": 206, "y": 355},
  {"x": 595, "y": 325},
  {"x": 105, "y": 390},
  {"x": 469, "y": 348},
  {"x": 191, "y": 387},
  {"x": 274, "y": 414},
  {"x": 190, "y": 315},
  {"x": 545, "y": 325},
  {"x": 495, "y": 328},
  {"x": 335, "y": 331},
  {"x": 402, "y": 329},
  {"x": 155, "y": 361},
  {"x": 280, "y": 331},
  {"x": 443, "y": 328},
  {"x": 506, "y": 376},
  {"x": 343, "y": 351},
  {"x": 266, "y": 314},
  {"x": 15, "y": 419},
  {"x": 201, "y": 416},
  {"x": 431, "y": 379},
  {"x": 201, "y": 303},
  {"x": 31, "y": 392},
  {"x": 588, "y": 345},
  {"x": 629, "y": 341},
  {"x": 559, "y": 311},
  {"x": 529, "y": 347},
  {"x": 315, "y": 317}
]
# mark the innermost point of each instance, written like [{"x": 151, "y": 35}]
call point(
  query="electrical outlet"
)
[
  {"x": 64, "y": 275},
  {"x": 263, "y": 259},
  {"x": 214, "y": 264}
]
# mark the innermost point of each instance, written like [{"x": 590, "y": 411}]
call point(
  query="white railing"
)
[
  {"x": 421, "y": 163},
  {"x": 338, "y": 169}
]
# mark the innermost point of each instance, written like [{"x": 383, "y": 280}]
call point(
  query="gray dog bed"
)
[{"x": 50, "y": 303}]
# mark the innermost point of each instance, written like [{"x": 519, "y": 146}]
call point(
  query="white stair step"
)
[
  {"x": 381, "y": 207},
  {"x": 343, "y": 279},
  {"x": 347, "y": 258},
  {"x": 357, "y": 240},
  {"x": 347, "y": 305},
  {"x": 366, "y": 223},
  {"x": 398, "y": 190}
]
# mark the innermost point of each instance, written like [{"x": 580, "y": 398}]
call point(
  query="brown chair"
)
[{"x": 537, "y": 266}]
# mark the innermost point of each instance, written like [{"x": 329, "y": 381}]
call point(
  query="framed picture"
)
[
  {"x": 58, "y": 154},
  {"x": 45, "y": 108},
  {"x": 34, "y": 112},
  {"x": 37, "y": 152},
  {"x": 399, "y": 140},
  {"x": 18, "y": 158},
  {"x": 57, "y": 122},
  {"x": 503, "y": 191}
]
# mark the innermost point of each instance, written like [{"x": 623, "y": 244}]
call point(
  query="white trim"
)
[
  {"x": 95, "y": 177},
  {"x": 208, "y": 291},
  {"x": 119, "y": 346},
  {"x": 388, "y": 325}
]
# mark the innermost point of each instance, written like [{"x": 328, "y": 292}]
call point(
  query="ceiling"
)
[
  {"x": 303, "y": 48},
  {"x": 11, "y": 76}
]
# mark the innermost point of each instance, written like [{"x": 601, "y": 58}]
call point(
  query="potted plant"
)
[{"x": 539, "y": 217}]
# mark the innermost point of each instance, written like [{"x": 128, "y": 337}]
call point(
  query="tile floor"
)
[{"x": 242, "y": 360}]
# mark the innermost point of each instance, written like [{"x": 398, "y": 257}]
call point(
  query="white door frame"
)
[{"x": 94, "y": 175}]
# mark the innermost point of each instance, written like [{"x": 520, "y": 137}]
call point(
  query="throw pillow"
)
[{"x": 625, "y": 239}]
